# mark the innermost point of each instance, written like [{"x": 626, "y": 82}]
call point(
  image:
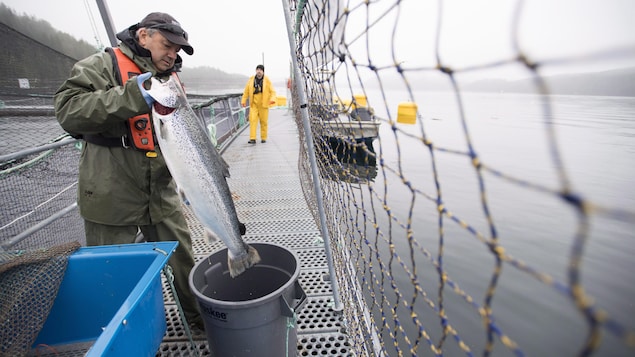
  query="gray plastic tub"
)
[{"x": 254, "y": 313}]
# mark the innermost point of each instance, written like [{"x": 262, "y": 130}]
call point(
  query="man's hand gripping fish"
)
[{"x": 198, "y": 169}]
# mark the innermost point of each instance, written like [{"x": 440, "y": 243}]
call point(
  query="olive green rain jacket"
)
[
  {"x": 117, "y": 186},
  {"x": 268, "y": 93}
]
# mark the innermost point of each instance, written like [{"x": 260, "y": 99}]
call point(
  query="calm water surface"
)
[{"x": 595, "y": 139}]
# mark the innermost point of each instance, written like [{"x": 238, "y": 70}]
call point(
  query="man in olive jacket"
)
[{"x": 121, "y": 189}]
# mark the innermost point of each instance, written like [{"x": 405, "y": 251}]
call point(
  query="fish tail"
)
[{"x": 238, "y": 265}]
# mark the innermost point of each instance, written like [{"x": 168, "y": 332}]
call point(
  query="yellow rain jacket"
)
[{"x": 268, "y": 93}]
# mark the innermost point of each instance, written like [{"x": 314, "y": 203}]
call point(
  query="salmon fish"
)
[{"x": 198, "y": 169}]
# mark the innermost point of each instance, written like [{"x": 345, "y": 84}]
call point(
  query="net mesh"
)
[
  {"x": 35, "y": 188},
  {"x": 29, "y": 282},
  {"x": 479, "y": 229}
]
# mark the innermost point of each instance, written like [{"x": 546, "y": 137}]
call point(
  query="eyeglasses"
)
[{"x": 175, "y": 29}]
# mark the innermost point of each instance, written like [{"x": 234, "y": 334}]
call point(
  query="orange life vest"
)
[{"x": 140, "y": 126}]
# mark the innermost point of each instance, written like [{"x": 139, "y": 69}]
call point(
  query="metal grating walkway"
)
[{"x": 266, "y": 186}]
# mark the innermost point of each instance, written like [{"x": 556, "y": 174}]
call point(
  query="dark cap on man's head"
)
[
  {"x": 170, "y": 29},
  {"x": 260, "y": 67}
]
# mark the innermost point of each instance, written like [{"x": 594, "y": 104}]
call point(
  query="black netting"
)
[{"x": 29, "y": 282}]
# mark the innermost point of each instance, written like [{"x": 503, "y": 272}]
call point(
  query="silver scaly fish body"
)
[{"x": 198, "y": 169}]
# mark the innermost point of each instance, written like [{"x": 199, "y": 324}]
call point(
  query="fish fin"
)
[
  {"x": 238, "y": 265},
  {"x": 220, "y": 163},
  {"x": 210, "y": 236},
  {"x": 163, "y": 132},
  {"x": 225, "y": 167},
  {"x": 183, "y": 197}
]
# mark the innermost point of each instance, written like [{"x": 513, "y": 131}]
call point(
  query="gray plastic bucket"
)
[{"x": 252, "y": 314}]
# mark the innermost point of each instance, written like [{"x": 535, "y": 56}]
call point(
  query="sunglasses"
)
[{"x": 175, "y": 29}]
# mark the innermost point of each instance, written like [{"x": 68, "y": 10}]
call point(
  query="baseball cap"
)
[{"x": 170, "y": 29}]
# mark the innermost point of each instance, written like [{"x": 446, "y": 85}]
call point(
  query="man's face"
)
[
  {"x": 163, "y": 52},
  {"x": 259, "y": 73}
]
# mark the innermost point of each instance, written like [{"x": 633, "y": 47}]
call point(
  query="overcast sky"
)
[
  {"x": 232, "y": 36},
  {"x": 235, "y": 35}
]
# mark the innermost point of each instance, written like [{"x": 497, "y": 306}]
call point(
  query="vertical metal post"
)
[
  {"x": 299, "y": 81},
  {"x": 105, "y": 17}
]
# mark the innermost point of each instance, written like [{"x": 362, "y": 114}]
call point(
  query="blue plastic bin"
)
[{"x": 111, "y": 295}]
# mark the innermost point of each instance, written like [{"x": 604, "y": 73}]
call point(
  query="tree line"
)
[{"x": 41, "y": 31}]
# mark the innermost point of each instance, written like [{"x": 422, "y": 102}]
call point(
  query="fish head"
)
[{"x": 167, "y": 93}]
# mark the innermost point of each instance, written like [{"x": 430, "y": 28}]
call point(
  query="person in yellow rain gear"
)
[{"x": 261, "y": 95}]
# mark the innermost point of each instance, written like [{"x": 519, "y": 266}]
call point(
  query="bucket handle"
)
[{"x": 299, "y": 299}]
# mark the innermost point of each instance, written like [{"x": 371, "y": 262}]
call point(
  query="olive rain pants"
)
[{"x": 173, "y": 228}]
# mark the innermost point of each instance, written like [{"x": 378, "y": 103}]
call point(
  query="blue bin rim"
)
[{"x": 161, "y": 248}]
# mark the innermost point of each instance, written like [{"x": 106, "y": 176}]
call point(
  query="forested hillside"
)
[
  {"x": 43, "y": 32},
  {"x": 34, "y": 50}
]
